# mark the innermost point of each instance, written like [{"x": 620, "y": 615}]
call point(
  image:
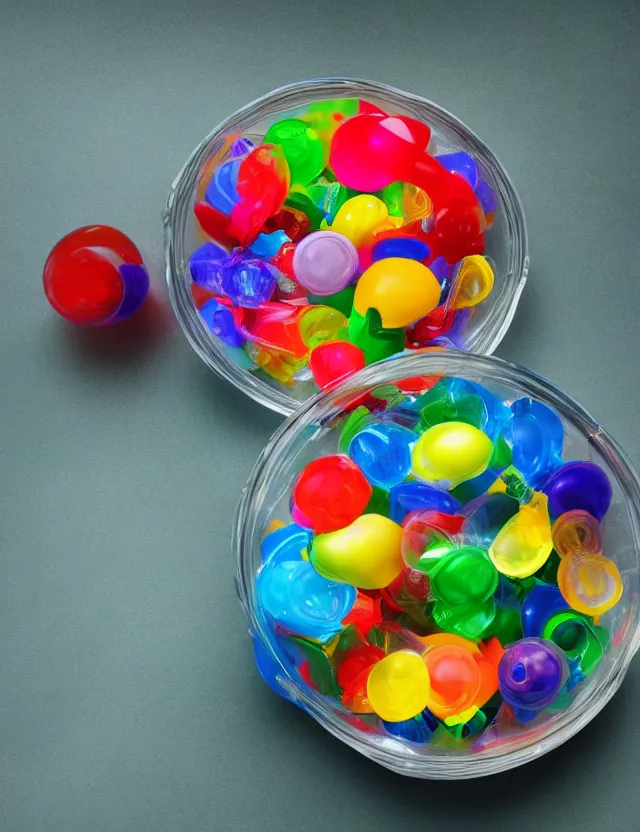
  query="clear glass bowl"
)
[
  {"x": 313, "y": 431},
  {"x": 506, "y": 241}
]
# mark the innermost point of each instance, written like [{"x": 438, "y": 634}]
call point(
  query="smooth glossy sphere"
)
[
  {"x": 333, "y": 360},
  {"x": 401, "y": 290},
  {"x": 579, "y": 485},
  {"x": 455, "y": 680},
  {"x": 321, "y": 323},
  {"x": 464, "y": 576},
  {"x": 370, "y": 151},
  {"x": 248, "y": 283},
  {"x": 576, "y": 532},
  {"x": 301, "y": 600},
  {"x": 95, "y": 276},
  {"x": 383, "y": 452},
  {"x": 532, "y": 673},
  {"x": 325, "y": 262},
  {"x": 590, "y": 584},
  {"x": 451, "y": 453},
  {"x": 524, "y": 543},
  {"x": 360, "y": 218},
  {"x": 398, "y": 686},
  {"x": 330, "y": 493},
  {"x": 366, "y": 553}
]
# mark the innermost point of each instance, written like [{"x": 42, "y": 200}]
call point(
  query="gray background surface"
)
[{"x": 128, "y": 698}]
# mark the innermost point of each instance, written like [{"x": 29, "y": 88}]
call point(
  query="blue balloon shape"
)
[
  {"x": 418, "y": 496},
  {"x": 382, "y": 451},
  {"x": 301, "y": 600}
]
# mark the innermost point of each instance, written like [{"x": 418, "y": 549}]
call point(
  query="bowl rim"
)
[
  {"x": 434, "y": 362},
  {"x": 212, "y": 352}
]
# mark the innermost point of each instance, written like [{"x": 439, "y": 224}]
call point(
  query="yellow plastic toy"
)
[
  {"x": 473, "y": 282},
  {"x": 321, "y": 323},
  {"x": 398, "y": 686},
  {"x": 524, "y": 543},
  {"x": 590, "y": 584},
  {"x": 451, "y": 452},
  {"x": 402, "y": 291},
  {"x": 363, "y": 216},
  {"x": 365, "y": 554},
  {"x": 416, "y": 204}
]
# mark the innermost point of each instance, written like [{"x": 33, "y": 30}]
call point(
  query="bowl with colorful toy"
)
[
  {"x": 439, "y": 561},
  {"x": 332, "y": 224}
]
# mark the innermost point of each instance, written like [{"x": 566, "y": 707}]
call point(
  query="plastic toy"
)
[
  {"x": 531, "y": 674},
  {"x": 401, "y": 290},
  {"x": 330, "y": 493},
  {"x": 95, "y": 276},
  {"x": 590, "y": 584},
  {"x": 398, "y": 686},
  {"x": 366, "y": 553},
  {"x": 450, "y": 453},
  {"x": 325, "y": 262}
]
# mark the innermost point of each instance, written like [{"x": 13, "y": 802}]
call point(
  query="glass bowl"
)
[
  {"x": 506, "y": 240},
  {"x": 313, "y": 431}
]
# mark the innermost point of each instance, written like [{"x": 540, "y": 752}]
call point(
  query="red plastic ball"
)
[
  {"x": 330, "y": 493},
  {"x": 333, "y": 360},
  {"x": 92, "y": 274}
]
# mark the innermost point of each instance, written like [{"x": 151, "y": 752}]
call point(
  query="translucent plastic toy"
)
[
  {"x": 95, "y": 276},
  {"x": 398, "y": 686},
  {"x": 330, "y": 493},
  {"x": 334, "y": 360},
  {"x": 590, "y": 584},
  {"x": 576, "y": 532},
  {"x": 298, "y": 598},
  {"x": 532, "y": 673},
  {"x": 524, "y": 543},
  {"x": 365, "y": 553},
  {"x": 450, "y": 453},
  {"x": 578, "y": 485},
  {"x": 383, "y": 453}
]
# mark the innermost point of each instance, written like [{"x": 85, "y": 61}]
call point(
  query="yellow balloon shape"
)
[
  {"x": 366, "y": 553},
  {"x": 472, "y": 283},
  {"x": 402, "y": 291},
  {"x": 398, "y": 686},
  {"x": 362, "y": 216},
  {"x": 524, "y": 543},
  {"x": 451, "y": 452}
]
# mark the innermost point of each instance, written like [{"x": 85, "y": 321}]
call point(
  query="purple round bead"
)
[
  {"x": 580, "y": 485},
  {"x": 532, "y": 673}
]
